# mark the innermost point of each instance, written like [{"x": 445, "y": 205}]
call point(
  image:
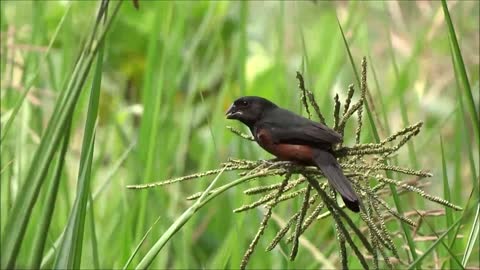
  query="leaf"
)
[
  {"x": 417, "y": 262},
  {"x": 50, "y": 202},
  {"x": 462, "y": 72},
  {"x": 70, "y": 252},
  {"x": 472, "y": 237},
  {"x": 18, "y": 220},
  {"x": 135, "y": 251},
  {"x": 177, "y": 225}
]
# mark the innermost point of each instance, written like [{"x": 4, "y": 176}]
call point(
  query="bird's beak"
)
[{"x": 232, "y": 112}]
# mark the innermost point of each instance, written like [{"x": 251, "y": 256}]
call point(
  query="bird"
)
[{"x": 291, "y": 137}]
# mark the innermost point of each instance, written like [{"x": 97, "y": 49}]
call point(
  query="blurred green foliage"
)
[{"x": 170, "y": 71}]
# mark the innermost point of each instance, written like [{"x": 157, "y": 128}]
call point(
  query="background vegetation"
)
[{"x": 152, "y": 107}]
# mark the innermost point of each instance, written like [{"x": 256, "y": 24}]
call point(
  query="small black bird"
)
[{"x": 292, "y": 137}]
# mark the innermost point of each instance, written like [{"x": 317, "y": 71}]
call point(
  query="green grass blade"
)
[
  {"x": 29, "y": 84},
  {"x": 472, "y": 237},
  {"x": 50, "y": 253},
  {"x": 357, "y": 76},
  {"x": 130, "y": 259},
  {"x": 446, "y": 194},
  {"x": 70, "y": 251},
  {"x": 380, "y": 98},
  {"x": 46, "y": 217},
  {"x": 471, "y": 150},
  {"x": 113, "y": 171},
  {"x": 17, "y": 222},
  {"x": 175, "y": 227},
  {"x": 147, "y": 259},
  {"x": 93, "y": 232},
  {"x": 450, "y": 251},
  {"x": 243, "y": 55},
  {"x": 20, "y": 215},
  {"x": 466, "y": 213},
  {"x": 462, "y": 72},
  {"x": 224, "y": 253},
  {"x": 152, "y": 101},
  {"x": 92, "y": 111},
  {"x": 416, "y": 263}
]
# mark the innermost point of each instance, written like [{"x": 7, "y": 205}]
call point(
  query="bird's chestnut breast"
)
[{"x": 289, "y": 152}]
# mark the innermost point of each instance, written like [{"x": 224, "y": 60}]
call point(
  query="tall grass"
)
[{"x": 90, "y": 105}]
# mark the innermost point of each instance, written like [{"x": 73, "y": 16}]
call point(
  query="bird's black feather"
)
[{"x": 287, "y": 127}]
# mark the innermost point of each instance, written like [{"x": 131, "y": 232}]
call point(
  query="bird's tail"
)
[{"x": 329, "y": 166}]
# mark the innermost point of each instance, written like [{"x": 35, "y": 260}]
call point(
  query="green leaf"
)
[
  {"x": 472, "y": 237},
  {"x": 70, "y": 252},
  {"x": 152, "y": 100},
  {"x": 18, "y": 220},
  {"x": 29, "y": 84},
  {"x": 50, "y": 202},
  {"x": 416, "y": 263},
  {"x": 135, "y": 251},
  {"x": 462, "y": 72},
  {"x": 177, "y": 225},
  {"x": 446, "y": 194},
  {"x": 450, "y": 251}
]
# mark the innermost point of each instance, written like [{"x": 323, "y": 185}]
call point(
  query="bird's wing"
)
[{"x": 287, "y": 127}]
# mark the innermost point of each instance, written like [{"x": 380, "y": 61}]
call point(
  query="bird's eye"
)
[{"x": 244, "y": 103}]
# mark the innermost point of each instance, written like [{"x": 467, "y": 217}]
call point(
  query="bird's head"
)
[{"x": 249, "y": 109}]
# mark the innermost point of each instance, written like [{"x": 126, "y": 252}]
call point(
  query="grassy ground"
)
[{"x": 148, "y": 104}]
